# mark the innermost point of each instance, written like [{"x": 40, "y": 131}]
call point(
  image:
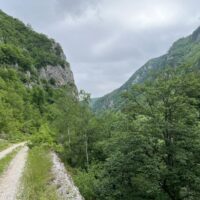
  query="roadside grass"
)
[
  {"x": 4, "y": 162},
  {"x": 37, "y": 177},
  {"x": 4, "y": 144}
]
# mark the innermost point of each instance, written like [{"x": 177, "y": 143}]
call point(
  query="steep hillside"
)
[
  {"x": 42, "y": 59},
  {"x": 34, "y": 74},
  {"x": 185, "y": 51}
]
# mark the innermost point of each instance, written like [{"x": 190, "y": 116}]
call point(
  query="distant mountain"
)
[{"x": 185, "y": 51}]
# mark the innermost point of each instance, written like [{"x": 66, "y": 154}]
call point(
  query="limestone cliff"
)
[{"x": 57, "y": 75}]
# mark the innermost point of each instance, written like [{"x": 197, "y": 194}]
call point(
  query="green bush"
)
[
  {"x": 85, "y": 182},
  {"x": 43, "y": 137}
]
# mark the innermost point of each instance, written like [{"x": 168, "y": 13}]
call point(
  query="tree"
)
[{"x": 158, "y": 156}]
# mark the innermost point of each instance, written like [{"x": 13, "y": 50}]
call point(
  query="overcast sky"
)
[{"x": 106, "y": 41}]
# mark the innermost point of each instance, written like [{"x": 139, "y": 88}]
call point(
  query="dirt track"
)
[
  {"x": 10, "y": 149},
  {"x": 10, "y": 180}
]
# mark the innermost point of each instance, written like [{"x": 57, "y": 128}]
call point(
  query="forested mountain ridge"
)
[
  {"x": 38, "y": 102},
  {"x": 185, "y": 51},
  {"x": 34, "y": 73},
  {"x": 39, "y": 58}
]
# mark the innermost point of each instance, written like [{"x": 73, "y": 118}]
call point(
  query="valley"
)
[{"x": 140, "y": 142}]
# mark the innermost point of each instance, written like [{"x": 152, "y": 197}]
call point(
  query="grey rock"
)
[
  {"x": 66, "y": 188},
  {"x": 59, "y": 75}
]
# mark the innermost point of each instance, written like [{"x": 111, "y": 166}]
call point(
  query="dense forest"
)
[{"x": 148, "y": 148}]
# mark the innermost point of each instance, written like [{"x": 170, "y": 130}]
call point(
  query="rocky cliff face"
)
[
  {"x": 57, "y": 75},
  {"x": 39, "y": 58}
]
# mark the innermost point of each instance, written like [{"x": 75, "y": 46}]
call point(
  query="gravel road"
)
[
  {"x": 10, "y": 149},
  {"x": 10, "y": 180}
]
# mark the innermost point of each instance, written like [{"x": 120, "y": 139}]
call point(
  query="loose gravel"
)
[{"x": 63, "y": 181}]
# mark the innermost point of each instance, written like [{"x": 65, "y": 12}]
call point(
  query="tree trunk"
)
[
  {"x": 86, "y": 151},
  {"x": 69, "y": 140}
]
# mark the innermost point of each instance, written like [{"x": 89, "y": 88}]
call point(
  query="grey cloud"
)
[
  {"x": 36, "y": 12},
  {"x": 75, "y": 7},
  {"x": 47, "y": 12}
]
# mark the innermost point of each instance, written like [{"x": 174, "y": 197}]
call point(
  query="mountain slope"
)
[
  {"x": 185, "y": 51},
  {"x": 34, "y": 74},
  {"x": 41, "y": 58}
]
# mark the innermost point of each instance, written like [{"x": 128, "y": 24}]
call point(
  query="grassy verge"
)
[
  {"x": 36, "y": 182},
  {"x": 4, "y": 144},
  {"x": 4, "y": 162}
]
